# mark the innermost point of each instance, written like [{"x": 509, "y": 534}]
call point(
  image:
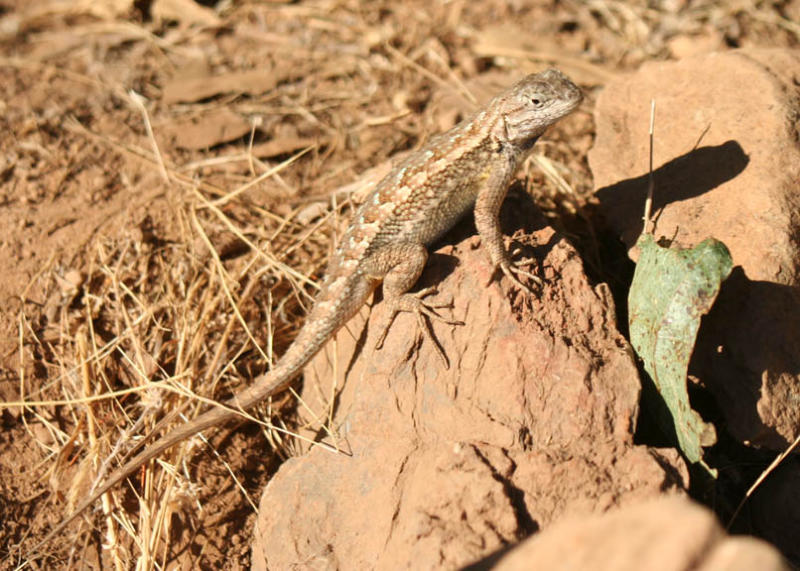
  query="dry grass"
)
[
  {"x": 144, "y": 339},
  {"x": 139, "y": 332},
  {"x": 149, "y": 332}
]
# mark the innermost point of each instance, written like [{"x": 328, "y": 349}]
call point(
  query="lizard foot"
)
[
  {"x": 512, "y": 269},
  {"x": 412, "y": 303}
]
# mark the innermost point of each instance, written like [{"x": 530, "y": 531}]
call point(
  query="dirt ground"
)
[{"x": 172, "y": 176}]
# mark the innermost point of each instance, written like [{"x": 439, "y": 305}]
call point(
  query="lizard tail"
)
[{"x": 334, "y": 307}]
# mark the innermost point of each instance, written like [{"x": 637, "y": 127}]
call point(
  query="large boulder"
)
[{"x": 442, "y": 466}]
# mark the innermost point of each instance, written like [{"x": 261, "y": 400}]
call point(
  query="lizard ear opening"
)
[
  {"x": 520, "y": 127},
  {"x": 510, "y": 130}
]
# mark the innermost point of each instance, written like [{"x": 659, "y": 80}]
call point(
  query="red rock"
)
[
  {"x": 727, "y": 163},
  {"x": 533, "y": 419},
  {"x": 667, "y": 534}
]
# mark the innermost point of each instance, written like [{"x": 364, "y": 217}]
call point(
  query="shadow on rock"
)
[
  {"x": 687, "y": 176},
  {"x": 751, "y": 338}
]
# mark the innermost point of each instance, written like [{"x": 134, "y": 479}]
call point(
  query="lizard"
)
[{"x": 423, "y": 196}]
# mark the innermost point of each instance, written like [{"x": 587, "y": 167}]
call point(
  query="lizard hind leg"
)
[{"x": 399, "y": 266}]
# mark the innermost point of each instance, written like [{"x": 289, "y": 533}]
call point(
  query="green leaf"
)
[{"x": 671, "y": 290}]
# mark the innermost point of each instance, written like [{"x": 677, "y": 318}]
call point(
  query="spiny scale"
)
[{"x": 418, "y": 201}]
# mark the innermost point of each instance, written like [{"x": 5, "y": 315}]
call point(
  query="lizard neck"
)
[{"x": 526, "y": 146}]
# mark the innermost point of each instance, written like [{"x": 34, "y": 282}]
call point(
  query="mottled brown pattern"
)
[{"x": 386, "y": 241}]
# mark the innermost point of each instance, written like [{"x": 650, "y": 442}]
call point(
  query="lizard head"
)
[{"x": 534, "y": 103}]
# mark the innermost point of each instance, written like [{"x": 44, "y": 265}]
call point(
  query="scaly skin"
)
[{"x": 419, "y": 200}]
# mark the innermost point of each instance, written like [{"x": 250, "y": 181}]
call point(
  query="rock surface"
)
[
  {"x": 532, "y": 420},
  {"x": 727, "y": 165},
  {"x": 666, "y": 534}
]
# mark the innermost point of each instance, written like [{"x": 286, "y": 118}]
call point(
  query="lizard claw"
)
[
  {"x": 511, "y": 270},
  {"x": 412, "y": 303}
]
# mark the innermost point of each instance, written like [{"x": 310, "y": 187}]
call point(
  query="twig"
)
[
  {"x": 138, "y": 102},
  {"x": 648, "y": 203},
  {"x": 761, "y": 478}
]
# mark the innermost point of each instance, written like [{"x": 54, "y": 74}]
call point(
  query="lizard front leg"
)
[
  {"x": 487, "y": 220},
  {"x": 399, "y": 267}
]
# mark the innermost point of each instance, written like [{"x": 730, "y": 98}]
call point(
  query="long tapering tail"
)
[{"x": 332, "y": 309}]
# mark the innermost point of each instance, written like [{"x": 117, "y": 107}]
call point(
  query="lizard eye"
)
[{"x": 536, "y": 101}]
